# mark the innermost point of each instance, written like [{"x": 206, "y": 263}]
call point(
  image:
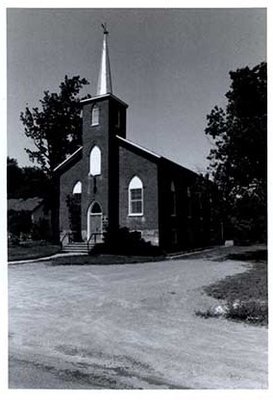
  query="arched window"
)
[
  {"x": 95, "y": 161},
  {"x": 95, "y": 209},
  {"x": 189, "y": 195},
  {"x": 135, "y": 196},
  {"x": 77, "y": 189},
  {"x": 173, "y": 200},
  {"x": 95, "y": 114},
  {"x": 118, "y": 119}
]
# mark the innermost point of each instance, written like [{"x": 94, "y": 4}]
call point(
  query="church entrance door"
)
[
  {"x": 94, "y": 222},
  {"x": 74, "y": 206}
]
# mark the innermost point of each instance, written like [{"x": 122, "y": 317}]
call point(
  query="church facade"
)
[{"x": 113, "y": 182}]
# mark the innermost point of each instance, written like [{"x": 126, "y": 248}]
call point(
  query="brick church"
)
[{"x": 111, "y": 181}]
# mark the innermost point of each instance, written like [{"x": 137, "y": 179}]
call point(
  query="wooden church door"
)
[{"x": 95, "y": 221}]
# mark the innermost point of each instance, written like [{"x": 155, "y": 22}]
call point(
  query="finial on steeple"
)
[
  {"x": 104, "y": 29},
  {"x": 104, "y": 81}
]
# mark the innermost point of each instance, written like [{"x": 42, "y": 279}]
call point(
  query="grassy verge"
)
[
  {"x": 245, "y": 295},
  {"x": 104, "y": 259},
  {"x": 30, "y": 251}
]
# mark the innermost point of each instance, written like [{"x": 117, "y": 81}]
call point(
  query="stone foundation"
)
[{"x": 151, "y": 235}]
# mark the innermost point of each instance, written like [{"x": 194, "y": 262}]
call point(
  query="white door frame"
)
[{"x": 89, "y": 214}]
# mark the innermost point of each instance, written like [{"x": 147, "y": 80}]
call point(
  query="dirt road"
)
[{"x": 128, "y": 326}]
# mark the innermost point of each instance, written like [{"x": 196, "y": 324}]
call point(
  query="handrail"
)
[
  {"x": 67, "y": 234},
  {"x": 94, "y": 234}
]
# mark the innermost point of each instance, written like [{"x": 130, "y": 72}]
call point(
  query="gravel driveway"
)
[{"x": 131, "y": 326}]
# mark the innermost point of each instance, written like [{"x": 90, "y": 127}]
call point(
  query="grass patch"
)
[
  {"x": 245, "y": 295},
  {"x": 259, "y": 255},
  {"x": 32, "y": 250},
  {"x": 251, "y": 311},
  {"x": 104, "y": 259},
  {"x": 249, "y": 285}
]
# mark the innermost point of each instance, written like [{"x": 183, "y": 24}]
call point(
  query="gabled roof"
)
[
  {"x": 137, "y": 147},
  {"x": 153, "y": 156},
  {"x": 29, "y": 204},
  {"x": 69, "y": 159}
]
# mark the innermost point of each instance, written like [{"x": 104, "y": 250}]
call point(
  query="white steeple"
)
[{"x": 104, "y": 81}]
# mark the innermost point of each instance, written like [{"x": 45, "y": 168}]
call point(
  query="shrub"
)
[
  {"x": 122, "y": 241},
  {"x": 249, "y": 311},
  {"x": 252, "y": 311},
  {"x": 19, "y": 222},
  {"x": 13, "y": 240},
  {"x": 41, "y": 230}
]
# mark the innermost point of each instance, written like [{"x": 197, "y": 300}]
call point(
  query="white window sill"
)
[
  {"x": 136, "y": 215},
  {"x": 94, "y": 175}
]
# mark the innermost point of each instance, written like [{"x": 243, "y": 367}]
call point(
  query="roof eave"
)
[
  {"x": 70, "y": 158},
  {"x": 101, "y": 97}
]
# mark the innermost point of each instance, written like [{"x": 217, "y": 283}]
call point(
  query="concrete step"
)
[
  {"x": 79, "y": 252},
  {"x": 76, "y": 247}
]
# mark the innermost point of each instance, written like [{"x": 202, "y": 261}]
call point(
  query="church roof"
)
[
  {"x": 137, "y": 146},
  {"x": 153, "y": 156},
  {"x": 29, "y": 204},
  {"x": 68, "y": 159},
  {"x": 103, "y": 96}
]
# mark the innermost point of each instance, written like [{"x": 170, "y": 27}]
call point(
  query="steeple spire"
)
[{"x": 104, "y": 81}]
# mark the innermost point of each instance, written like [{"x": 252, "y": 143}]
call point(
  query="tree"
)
[
  {"x": 14, "y": 178},
  {"x": 56, "y": 132},
  {"x": 26, "y": 181},
  {"x": 56, "y": 129},
  {"x": 238, "y": 159}
]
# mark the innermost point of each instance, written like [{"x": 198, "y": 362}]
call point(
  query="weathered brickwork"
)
[
  {"x": 102, "y": 188},
  {"x": 130, "y": 165},
  {"x": 177, "y": 213}
]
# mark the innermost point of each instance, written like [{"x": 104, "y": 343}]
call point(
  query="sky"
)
[{"x": 171, "y": 66}]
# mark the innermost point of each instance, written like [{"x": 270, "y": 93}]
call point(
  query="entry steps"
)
[{"x": 76, "y": 248}]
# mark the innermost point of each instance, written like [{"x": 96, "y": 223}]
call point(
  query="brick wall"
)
[
  {"x": 131, "y": 164},
  {"x": 104, "y": 187}
]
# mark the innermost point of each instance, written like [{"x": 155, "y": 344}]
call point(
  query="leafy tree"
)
[
  {"x": 25, "y": 182},
  {"x": 238, "y": 159},
  {"x": 56, "y": 132},
  {"x": 14, "y": 177},
  {"x": 56, "y": 128},
  {"x": 19, "y": 222},
  {"x": 35, "y": 183}
]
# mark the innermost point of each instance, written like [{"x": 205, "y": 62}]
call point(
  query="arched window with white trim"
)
[
  {"x": 95, "y": 115},
  {"x": 95, "y": 161},
  {"x": 77, "y": 189},
  {"x": 135, "y": 196}
]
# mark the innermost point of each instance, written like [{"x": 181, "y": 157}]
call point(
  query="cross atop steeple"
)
[{"x": 104, "y": 81}]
